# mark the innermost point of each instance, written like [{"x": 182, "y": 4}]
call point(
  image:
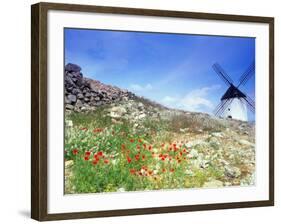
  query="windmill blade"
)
[
  {"x": 217, "y": 107},
  {"x": 222, "y": 110},
  {"x": 250, "y": 106},
  {"x": 250, "y": 100},
  {"x": 247, "y": 75},
  {"x": 223, "y": 106},
  {"x": 218, "y": 69},
  {"x": 247, "y": 104}
]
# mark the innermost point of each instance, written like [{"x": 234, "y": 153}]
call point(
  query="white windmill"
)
[{"x": 235, "y": 103}]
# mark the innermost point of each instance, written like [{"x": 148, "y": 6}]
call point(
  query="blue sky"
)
[{"x": 172, "y": 69}]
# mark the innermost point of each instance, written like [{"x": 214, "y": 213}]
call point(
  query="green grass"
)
[{"x": 142, "y": 158}]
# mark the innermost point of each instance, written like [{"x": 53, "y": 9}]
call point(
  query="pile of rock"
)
[{"x": 84, "y": 94}]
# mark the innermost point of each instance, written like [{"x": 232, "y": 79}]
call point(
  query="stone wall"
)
[{"x": 84, "y": 94}]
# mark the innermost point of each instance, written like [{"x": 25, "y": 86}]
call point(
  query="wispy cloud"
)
[
  {"x": 195, "y": 100},
  {"x": 140, "y": 88}
]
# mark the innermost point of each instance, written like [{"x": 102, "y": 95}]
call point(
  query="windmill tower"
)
[{"x": 235, "y": 103}]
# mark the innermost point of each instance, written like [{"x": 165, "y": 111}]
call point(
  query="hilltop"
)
[{"x": 222, "y": 151}]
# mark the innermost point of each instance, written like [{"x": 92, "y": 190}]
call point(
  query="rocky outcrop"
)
[{"x": 84, "y": 94}]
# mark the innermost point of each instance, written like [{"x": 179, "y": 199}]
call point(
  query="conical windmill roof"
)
[{"x": 232, "y": 92}]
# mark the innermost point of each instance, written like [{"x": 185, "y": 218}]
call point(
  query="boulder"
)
[{"x": 72, "y": 68}]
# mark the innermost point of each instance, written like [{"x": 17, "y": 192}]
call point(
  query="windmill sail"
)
[
  {"x": 234, "y": 103},
  {"x": 224, "y": 76}
]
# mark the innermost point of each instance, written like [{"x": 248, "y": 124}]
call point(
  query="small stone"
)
[
  {"x": 213, "y": 184},
  {"x": 88, "y": 95},
  {"x": 68, "y": 163},
  {"x": 69, "y": 107},
  {"x": 193, "y": 153},
  {"x": 245, "y": 142},
  {"x": 80, "y": 96},
  {"x": 217, "y": 134},
  {"x": 72, "y": 98},
  {"x": 232, "y": 172}
]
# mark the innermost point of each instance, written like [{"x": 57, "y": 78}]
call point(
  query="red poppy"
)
[
  {"x": 143, "y": 157},
  {"x": 150, "y": 172},
  {"x": 97, "y": 130},
  {"x": 138, "y": 147},
  {"x": 144, "y": 168},
  {"x": 86, "y": 158},
  {"x": 95, "y": 162},
  {"x": 140, "y": 141},
  {"x": 137, "y": 157},
  {"x": 163, "y": 170},
  {"x": 184, "y": 150},
  {"x": 144, "y": 146},
  {"x": 132, "y": 140},
  {"x": 87, "y": 153},
  {"x": 106, "y": 161},
  {"x": 172, "y": 170},
  {"x": 163, "y": 145},
  {"x": 150, "y": 147},
  {"x": 83, "y": 129},
  {"x": 133, "y": 171},
  {"x": 75, "y": 151},
  {"x": 123, "y": 146},
  {"x": 129, "y": 159},
  {"x": 100, "y": 153}
]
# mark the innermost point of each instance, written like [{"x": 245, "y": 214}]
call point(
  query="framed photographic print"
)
[{"x": 139, "y": 111}]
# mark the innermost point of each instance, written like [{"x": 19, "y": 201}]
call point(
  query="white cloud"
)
[
  {"x": 195, "y": 100},
  {"x": 140, "y": 88}
]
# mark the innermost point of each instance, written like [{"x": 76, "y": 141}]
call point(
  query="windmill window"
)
[{"x": 229, "y": 116}]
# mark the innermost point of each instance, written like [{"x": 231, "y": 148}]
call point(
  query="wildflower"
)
[
  {"x": 138, "y": 146},
  {"x": 163, "y": 170},
  {"x": 100, "y": 153},
  {"x": 75, "y": 151},
  {"x": 95, "y": 162},
  {"x": 172, "y": 170},
  {"x": 150, "y": 147},
  {"x": 106, "y": 161},
  {"x": 87, "y": 153},
  {"x": 97, "y": 130},
  {"x": 137, "y": 157},
  {"x": 132, "y": 171},
  {"x": 143, "y": 157},
  {"x": 163, "y": 145},
  {"x": 86, "y": 158},
  {"x": 123, "y": 146},
  {"x": 129, "y": 159},
  {"x": 144, "y": 146},
  {"x": 140, "y": 141},
  {"x": 132, "y": 140},
  {"x": 84, "y": 129}
]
